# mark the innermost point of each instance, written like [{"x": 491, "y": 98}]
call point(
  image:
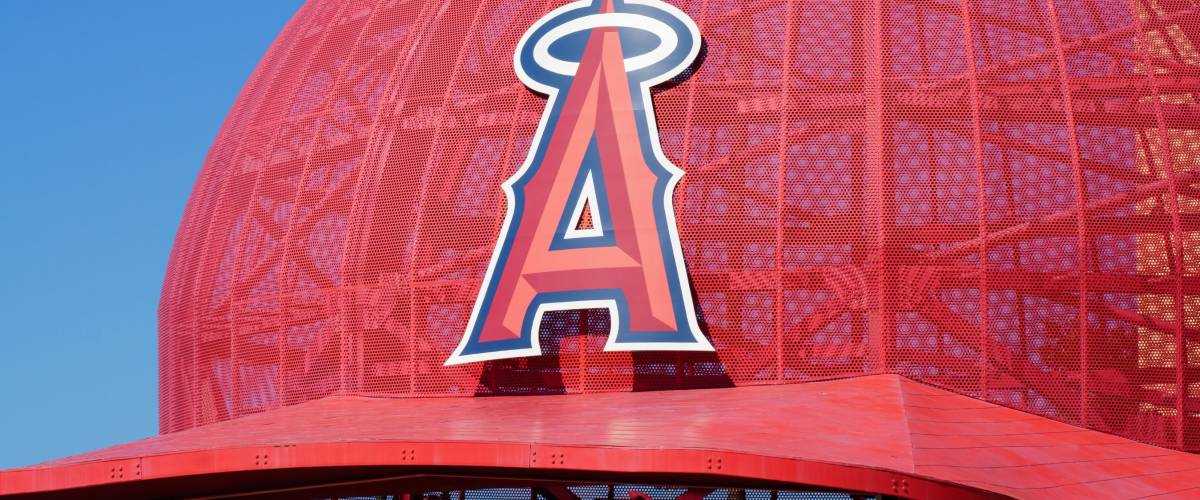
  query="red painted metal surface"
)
[
  {"x": 994, "y": 197},
  {"x": 879, "y": 434}
]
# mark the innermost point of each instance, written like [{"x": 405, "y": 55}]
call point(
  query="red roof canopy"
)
[{"x": 879, "y": 434}]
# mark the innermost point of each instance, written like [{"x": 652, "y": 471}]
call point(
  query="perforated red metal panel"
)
[{"x": 995, "y": 197}]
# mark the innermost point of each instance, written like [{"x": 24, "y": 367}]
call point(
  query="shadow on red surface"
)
[{"x": 879, "y": 434}]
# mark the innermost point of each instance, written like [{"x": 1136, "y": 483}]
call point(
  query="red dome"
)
[{"x": 995, "y": 197}]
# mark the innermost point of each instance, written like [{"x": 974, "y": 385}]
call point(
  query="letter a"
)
[{"x": 596, "y": 154}]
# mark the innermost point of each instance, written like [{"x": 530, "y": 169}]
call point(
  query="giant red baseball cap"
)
[{"x": 505, "y": 248}]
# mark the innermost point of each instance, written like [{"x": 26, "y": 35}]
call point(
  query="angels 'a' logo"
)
[{"x": 590, "y": 222}]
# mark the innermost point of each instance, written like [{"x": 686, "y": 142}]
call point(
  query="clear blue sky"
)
[{"x": 106, "y": 112}]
